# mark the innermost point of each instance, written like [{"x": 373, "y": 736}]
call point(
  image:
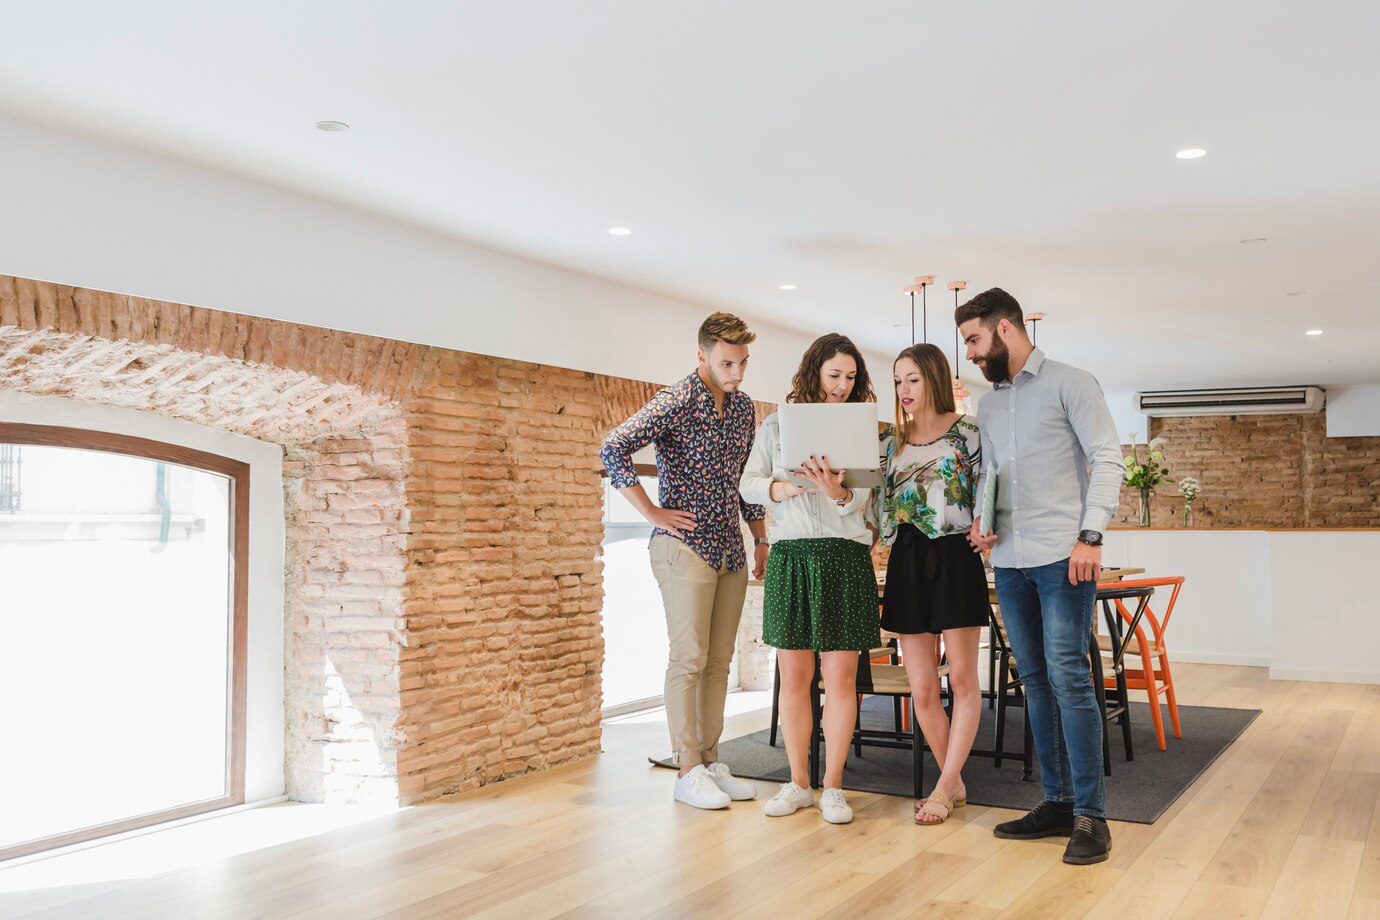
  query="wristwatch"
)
[
  {"x": 760, "y": 541},
  {"x": 1090, "y": 537}
]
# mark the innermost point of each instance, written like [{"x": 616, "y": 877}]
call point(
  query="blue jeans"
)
[{"x": 1049, "y": 623}]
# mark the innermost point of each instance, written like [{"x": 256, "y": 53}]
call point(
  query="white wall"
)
[
  {"x": 1326, "y": 618},
  {"x": 1223, "y": 612},
  {"x": 1286, "y": 600},
  {"x": 1353, "y": 412},
  {"x": 95, "y": 214},
  {"x": 264, "y": 740},
  {"x": 1128, "y": 418}
]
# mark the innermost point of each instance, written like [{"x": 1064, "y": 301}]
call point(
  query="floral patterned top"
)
[
  {"x": 930, "y": 486},
  {"x": 699, "y": 458}
]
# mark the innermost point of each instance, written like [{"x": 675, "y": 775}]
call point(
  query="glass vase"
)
[
  {"x": 1188, "y": 514},
  {"x": 1145, "y": 494}
]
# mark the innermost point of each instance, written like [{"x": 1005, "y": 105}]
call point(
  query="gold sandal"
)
[
  {"x": 941, "y": 800},
  {"x": 958, "y": 803}
]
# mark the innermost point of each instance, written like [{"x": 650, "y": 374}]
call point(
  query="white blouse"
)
[{"x": 805, "y": 516}]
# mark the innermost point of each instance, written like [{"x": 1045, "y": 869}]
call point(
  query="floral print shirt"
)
[
  {"x": 699, "y": 458},
  {"x": 930, "y": 486}
]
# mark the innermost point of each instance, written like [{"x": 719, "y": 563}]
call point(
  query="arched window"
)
[{"x": 123, "y": 634}]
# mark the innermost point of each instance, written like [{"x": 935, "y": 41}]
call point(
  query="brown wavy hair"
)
[
  {"x": 934, "y": 372},
  {"x": 805, "y": 387}
]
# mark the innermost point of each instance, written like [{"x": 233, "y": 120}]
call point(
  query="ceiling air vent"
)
[{"x": 1249, "y": 401}]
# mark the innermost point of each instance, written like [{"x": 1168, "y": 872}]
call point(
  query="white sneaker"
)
[
  {"x": 789, "y": 799},
  {"x": 833, "y": 807},
  {"x": 697, "y": 788},
  {"x": 738, "y": 790}
]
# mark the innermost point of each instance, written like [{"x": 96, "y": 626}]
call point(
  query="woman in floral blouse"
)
[{"x": 935, "y": 582}]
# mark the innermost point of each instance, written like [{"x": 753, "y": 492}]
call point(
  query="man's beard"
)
[{"x": 996, "y": 366}]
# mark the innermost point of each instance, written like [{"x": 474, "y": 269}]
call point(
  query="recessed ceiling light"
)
[
  {"x": 1255, "y": 239},
  {"x": 1192, "y": 153},
  {"x": 332, "y": 126},
  {"x": 619, "y": 231},
  {"x": 788, "y": 287},
  {"x": 1295, "y": 293},
  {"x": 1313, "y": 332}
]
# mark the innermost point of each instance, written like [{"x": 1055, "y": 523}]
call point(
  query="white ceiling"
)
[{"x": 842, "y": 148}]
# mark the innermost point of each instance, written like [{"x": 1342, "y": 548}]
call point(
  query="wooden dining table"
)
[
  {"x": 1108, "y": 575},
  {"x": 1105, "y": 577}
]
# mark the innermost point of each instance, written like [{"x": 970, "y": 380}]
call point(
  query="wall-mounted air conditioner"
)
[{"x": 1247, "y": 401}]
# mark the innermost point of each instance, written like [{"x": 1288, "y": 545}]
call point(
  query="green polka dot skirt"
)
[{"x": 821, "y": 595}]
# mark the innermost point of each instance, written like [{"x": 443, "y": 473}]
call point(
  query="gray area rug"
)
[{"x": 1139, "y": 791}]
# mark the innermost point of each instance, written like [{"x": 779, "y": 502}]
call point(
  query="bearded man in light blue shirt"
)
[{"x": 1048, "y": 437}]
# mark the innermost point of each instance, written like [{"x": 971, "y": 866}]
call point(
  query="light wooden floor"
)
[{"x": 1284, "y": 825}]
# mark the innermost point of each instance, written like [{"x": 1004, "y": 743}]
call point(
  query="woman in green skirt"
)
[{"x": 821, "y": 592}]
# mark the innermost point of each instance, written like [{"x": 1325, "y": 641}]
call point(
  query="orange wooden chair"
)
[{"x": 1153, "y": 676}]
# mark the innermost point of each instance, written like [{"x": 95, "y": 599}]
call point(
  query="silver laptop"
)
[{"x": 845, "y": 433}]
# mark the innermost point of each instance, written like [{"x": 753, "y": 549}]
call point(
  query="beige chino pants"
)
[{"x": 703, "y": 607}]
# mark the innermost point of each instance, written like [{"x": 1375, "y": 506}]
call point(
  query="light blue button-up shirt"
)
[{"x": 1051, "y": 441}]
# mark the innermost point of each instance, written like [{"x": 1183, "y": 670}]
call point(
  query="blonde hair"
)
[
  {"x": 934, "y": 372},
  {"x": 725, "y": 327}
]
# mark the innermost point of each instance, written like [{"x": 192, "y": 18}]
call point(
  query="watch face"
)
[{"x": 1090, "y": 537}]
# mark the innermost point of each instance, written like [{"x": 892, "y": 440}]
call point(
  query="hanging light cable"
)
[
  {"x": 960, "y": 391},
  {"x": 1033, "y": 319},
  {"x": 921, "y": 282}
]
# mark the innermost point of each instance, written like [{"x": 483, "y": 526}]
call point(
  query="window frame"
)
[{"x": 237, "y": 472}]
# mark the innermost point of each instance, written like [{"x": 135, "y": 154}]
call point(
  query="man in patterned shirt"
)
[{"x": 702, "y": 427}]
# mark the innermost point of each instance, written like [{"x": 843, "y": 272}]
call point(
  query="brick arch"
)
[
  {"x": 444, "y": 582},
  {"x": 344, "y": 482}
]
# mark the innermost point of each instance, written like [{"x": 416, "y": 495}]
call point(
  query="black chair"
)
[
  {"x": 1119, "y": 708},
  {"x": 991, "y": 692},
  {"x": 891, "y": 680},
  {"x": 1008, "y": 692},
  {"x": 888, "y": 651},
  {"x": 877, "y": 680}
]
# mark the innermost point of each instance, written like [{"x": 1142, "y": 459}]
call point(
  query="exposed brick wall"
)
[
  {"x": 347, "y": 580},
  {"x": 501, "y": 673},
  {"x": 443, "y": 583},
  {"x": 1264, "y": 471}
]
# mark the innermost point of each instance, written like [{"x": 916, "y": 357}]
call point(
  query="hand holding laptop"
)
[
  {"x": 982, "y": 535},
  {"x": 788, "y": 489},
  {"x": 980, "y": 541},
  {"x": 823, "y": 479}
]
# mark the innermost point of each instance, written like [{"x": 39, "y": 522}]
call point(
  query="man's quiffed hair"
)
[
  {"x": 725, "y": 327},
  {"x": 991, "y": 307}
]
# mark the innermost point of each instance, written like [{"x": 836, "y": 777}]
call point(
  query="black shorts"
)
[{"x": 933, "y": 584}]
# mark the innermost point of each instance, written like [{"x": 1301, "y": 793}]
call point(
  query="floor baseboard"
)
[
  {"x": 1326, "y": 676},
  {"x": 1249, "y": 661}
]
